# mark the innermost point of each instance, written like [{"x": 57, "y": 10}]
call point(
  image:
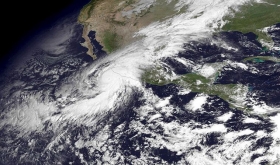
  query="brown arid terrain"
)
[{"x": 116, "y": 21}]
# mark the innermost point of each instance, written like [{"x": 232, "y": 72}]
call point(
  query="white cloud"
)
[
  {"x": 250, "y": 120},
  {"x": 197, "y": 102},
  {"x": 225, "y": 117}
]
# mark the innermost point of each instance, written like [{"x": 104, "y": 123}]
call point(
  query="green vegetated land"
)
[
  {"x": 254, "y": 16},
  {"x": 110, "y": 41},
  {"x": 197, "y": 83},
  {"x": 259, "y": 59}
]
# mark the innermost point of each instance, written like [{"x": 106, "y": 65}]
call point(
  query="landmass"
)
[
  {"x": 116, "y": 21},
  {"x": 195, "y": 82},
  {"x": 255, "y": 17}
]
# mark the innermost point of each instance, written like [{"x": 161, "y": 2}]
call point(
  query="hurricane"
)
[{"x": 58, "y": 109}]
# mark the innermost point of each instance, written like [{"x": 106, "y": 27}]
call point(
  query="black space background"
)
[{"x": 19, "y": 18}]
